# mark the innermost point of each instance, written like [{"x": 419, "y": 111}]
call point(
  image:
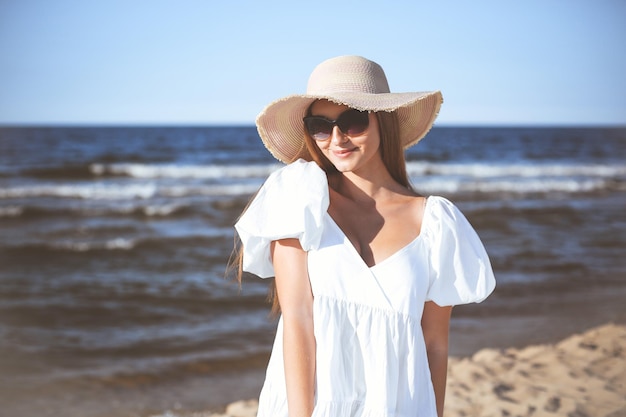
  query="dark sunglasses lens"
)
[
  {"x": 353, "y": 122},
  {"x": 350, "y": 122},
  {"x": 318, "y": 128}
]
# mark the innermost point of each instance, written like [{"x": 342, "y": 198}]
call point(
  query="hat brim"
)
[{"x": 282, "y": 130}]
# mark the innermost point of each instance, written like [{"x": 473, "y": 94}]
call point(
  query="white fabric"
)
[
  {"x": 291, "y": 204},
  {"x": 370, "y": 357}
]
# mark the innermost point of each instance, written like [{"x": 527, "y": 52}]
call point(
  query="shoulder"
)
[
  {"x": 290, "y": 204},
  {"x": 441, "y": 206},
  {"x": 441, "y": 203},
  {"x": 300, "y": 182},
  {"x": 442, "y": 214},
  {"x": 298, "y": 171}
]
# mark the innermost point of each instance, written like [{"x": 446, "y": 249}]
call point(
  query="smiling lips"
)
[{"x": 343, "y": 153}]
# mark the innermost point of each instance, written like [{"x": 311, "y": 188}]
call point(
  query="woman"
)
[{"x": 366, "y": 270}]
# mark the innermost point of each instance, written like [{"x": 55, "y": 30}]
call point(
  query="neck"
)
[{"x": 369, "y": 186}]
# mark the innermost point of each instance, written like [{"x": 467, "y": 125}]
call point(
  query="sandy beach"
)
[{"x": 583, "y": 375}]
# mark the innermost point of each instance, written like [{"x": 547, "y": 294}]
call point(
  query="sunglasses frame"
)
[{"x": 337, "y": 122}]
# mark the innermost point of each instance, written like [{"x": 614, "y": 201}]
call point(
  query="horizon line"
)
[{"x": 4, "y": 125}]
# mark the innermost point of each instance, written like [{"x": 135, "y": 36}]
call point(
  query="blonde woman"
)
[{"x": 366, "y": 269}]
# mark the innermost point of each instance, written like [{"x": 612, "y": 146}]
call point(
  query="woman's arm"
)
[
  {"x": 296, "y": 304},
  {"x": 436, "y": 325}
]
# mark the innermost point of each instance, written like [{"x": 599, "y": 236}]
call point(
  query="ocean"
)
[{"x": 114, "y": 243}]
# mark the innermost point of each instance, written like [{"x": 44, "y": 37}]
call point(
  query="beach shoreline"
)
[
  {"x": 208, "y": 389},
  {"x": 583, "y": 375},
  {"x": 201, "y": 389}
]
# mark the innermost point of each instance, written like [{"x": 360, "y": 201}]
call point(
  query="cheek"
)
[
  {"x": 371, "y": 142},
  {"x": 322, "y": 145}
]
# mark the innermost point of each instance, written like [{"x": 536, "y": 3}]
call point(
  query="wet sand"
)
[
  {"x": 583, "y": 375},
  {"x": 551, "y": 354}
]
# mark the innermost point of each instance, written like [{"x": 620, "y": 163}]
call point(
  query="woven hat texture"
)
[{"x": 353, "y": 81}]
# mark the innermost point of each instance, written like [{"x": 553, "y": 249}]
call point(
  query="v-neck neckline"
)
[{"x": 393, "y": 255}]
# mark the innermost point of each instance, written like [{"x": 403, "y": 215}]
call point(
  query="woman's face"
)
[{"x": 348, "y": 153}]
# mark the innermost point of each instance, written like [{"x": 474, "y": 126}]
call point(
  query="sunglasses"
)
[{"x": 351, "y": 122}]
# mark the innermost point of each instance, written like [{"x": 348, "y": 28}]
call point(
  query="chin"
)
[{"x": 343, "y": 166}]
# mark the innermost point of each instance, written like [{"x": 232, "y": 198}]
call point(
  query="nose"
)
[{"x": 337, "y": 136}]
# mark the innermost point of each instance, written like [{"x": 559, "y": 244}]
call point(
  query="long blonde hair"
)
[{"x": 392, "y": 154}]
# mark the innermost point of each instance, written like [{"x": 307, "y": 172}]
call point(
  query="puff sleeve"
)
[
  {"x": 460, "y": 270},
  {"x": 290, "y": 204}
]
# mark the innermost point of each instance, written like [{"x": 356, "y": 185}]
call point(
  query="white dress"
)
[{"x": 370, "y": 354}]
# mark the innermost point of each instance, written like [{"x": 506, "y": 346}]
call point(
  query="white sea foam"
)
[
  {"x": 152, "y": 182},
  {"x": 150, "y": 210},
  {"x": 113, "y": 244},
  {"x": 120, "y": 243},
  {"x": 124, "y": 192},
  {"x": 84, "y": 191},
  {"x": 11, "y": 211},
  {"x": 209, "y": 190},
  {"x": 415, "y": 168},
  {"x": 490, "y": 170},
  {"x": 161, "y": 210},
  {"x": 185, "y": 171},
  {"x": 515, "y": 186}
]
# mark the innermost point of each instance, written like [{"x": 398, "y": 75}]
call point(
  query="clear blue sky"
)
[{"x": 220, "y": 62}]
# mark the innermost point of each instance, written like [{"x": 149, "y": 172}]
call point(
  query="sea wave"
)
[
  {"x": 513, "y": 186},
  {"x": 145, "y": 182},
  {"x": 146, "y": 171},
  {"x": 414, "y": 168},
  {"x": 96, "y": 191},
  {"x": 11, "y": 211},
  {"x": 59, "y": 172},
  {"x": 183, "y": 171},
  {"x": 490, "y": 170},
  {"x": 99, "y": 191},
  {"x": 431, "y": 184},
  {"x": 124, "y": 244},
  {"x": 211, "y": 236},
  {"x": 136, "y": 210}
]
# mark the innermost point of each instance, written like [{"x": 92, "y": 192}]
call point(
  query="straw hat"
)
[{"x": 352, "y": 81}]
